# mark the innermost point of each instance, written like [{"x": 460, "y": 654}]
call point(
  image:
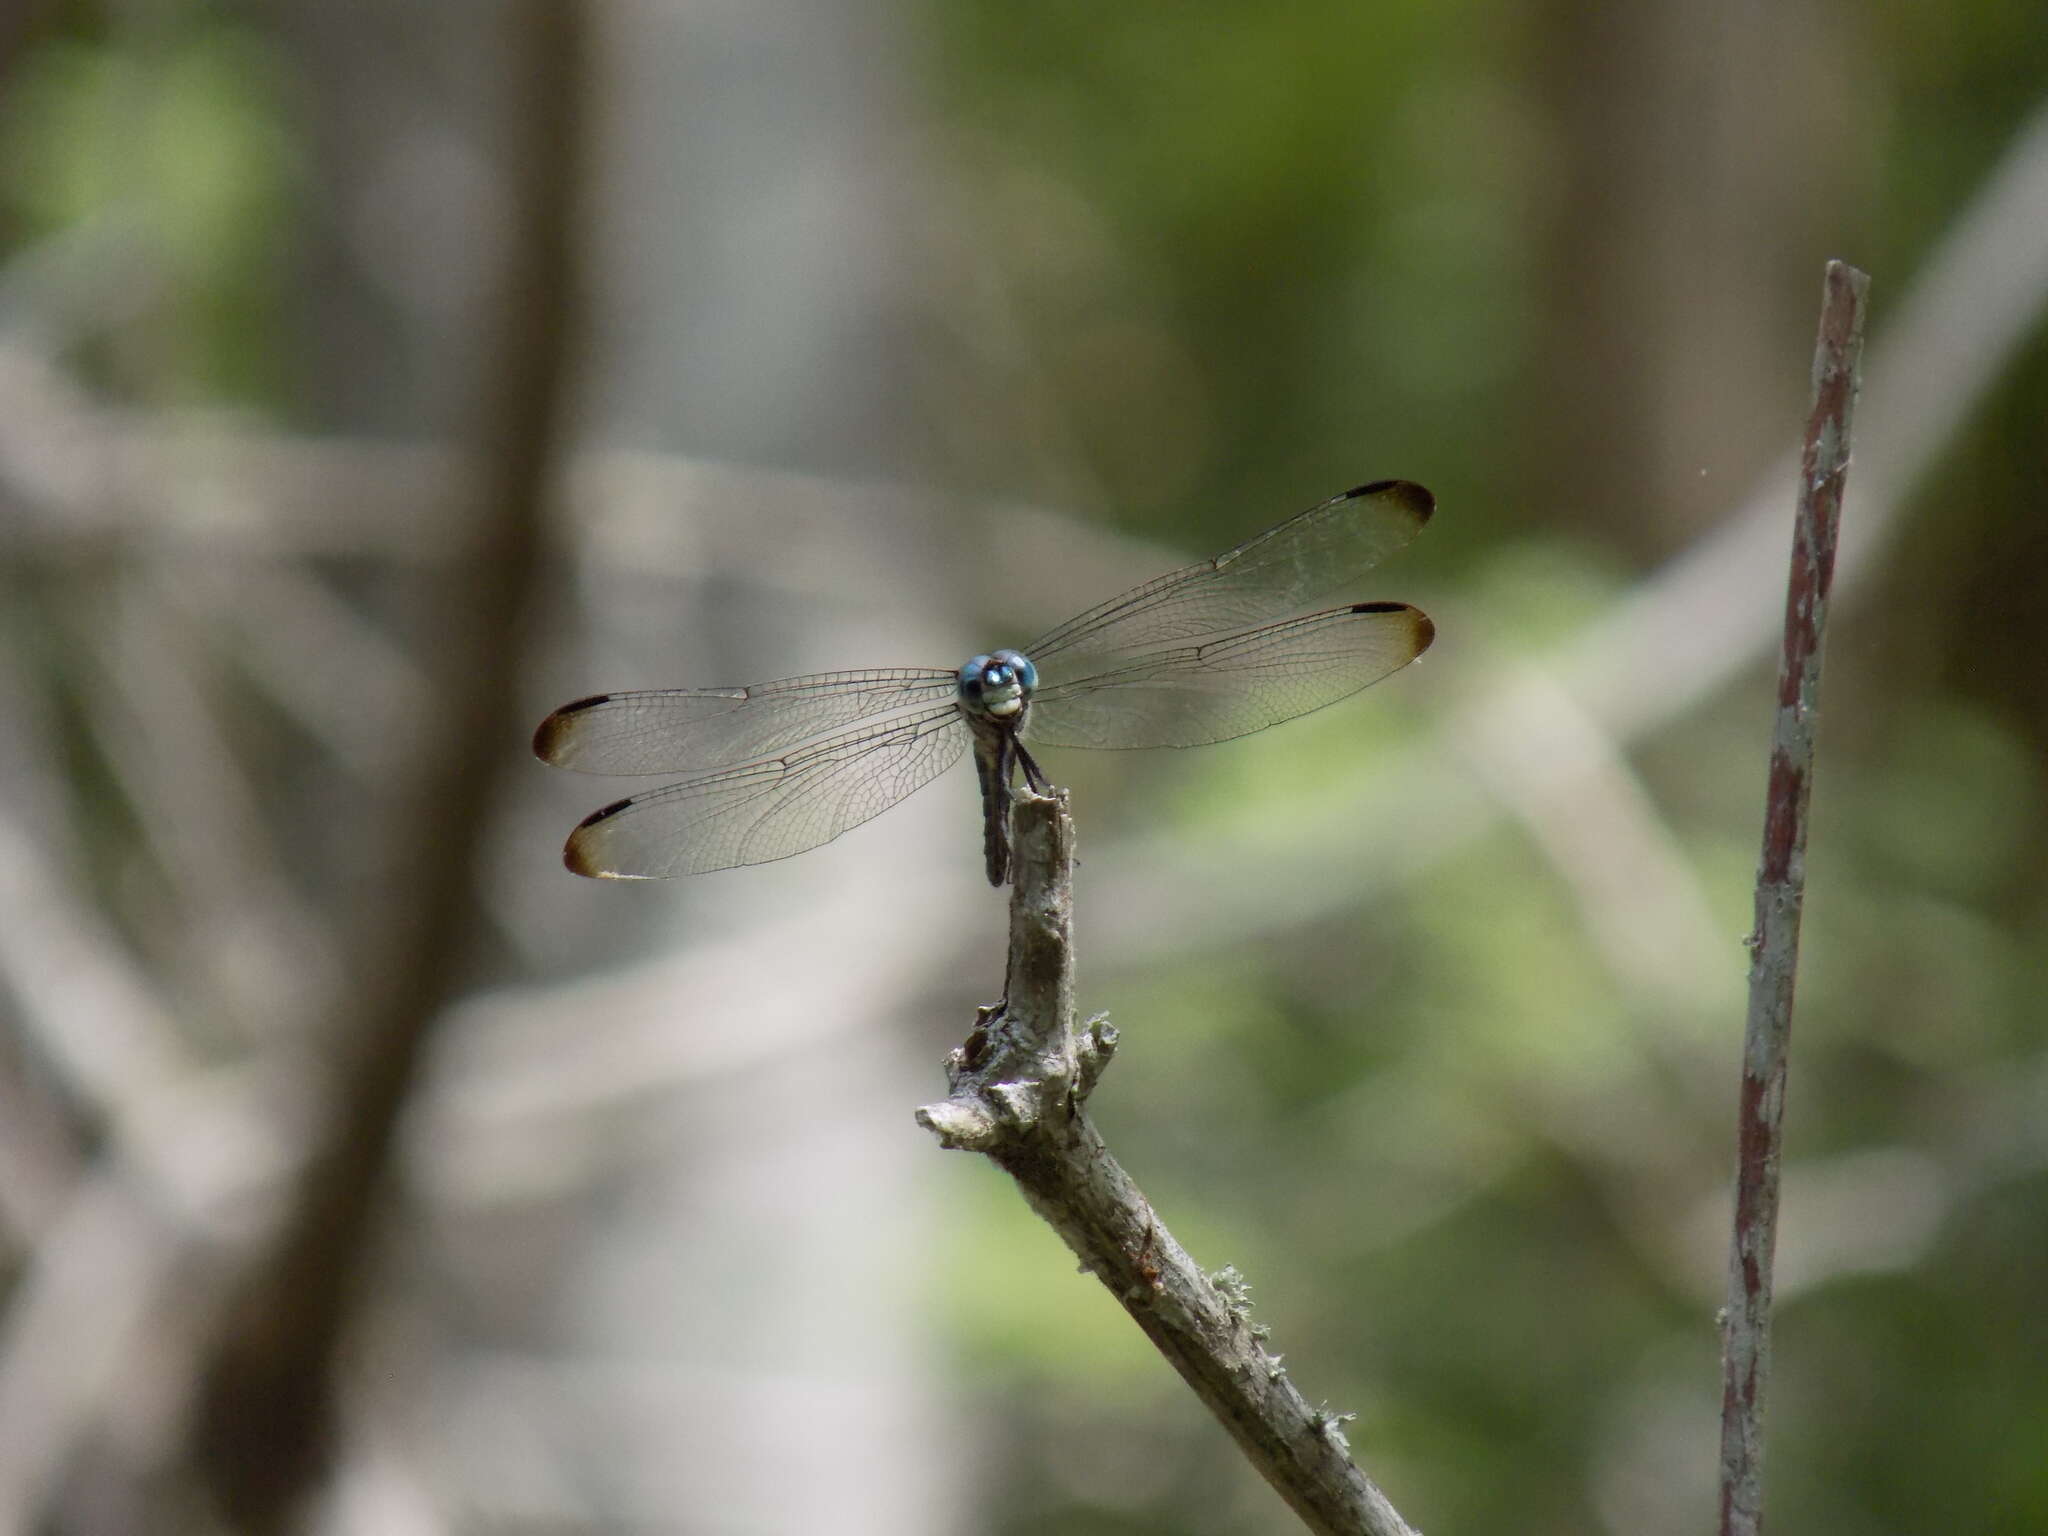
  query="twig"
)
[
  {"x": 1780, "y": 893},
  {"x": 1018, "y": 1087}
]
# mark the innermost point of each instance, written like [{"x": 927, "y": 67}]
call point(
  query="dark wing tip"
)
[
  {"x": 604, "y": 813},
  {"x": 579, "y": 856},
  {"x": 1421, "y": 631},
  {"x": 552, "y": 736},
  {"x": 1415, "y": 499}
]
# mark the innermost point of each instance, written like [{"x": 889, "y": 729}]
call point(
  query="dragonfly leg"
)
[{"x": 1032, "y": 774}]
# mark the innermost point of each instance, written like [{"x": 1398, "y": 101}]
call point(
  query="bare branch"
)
[
  {"x": 1018, "y": 1088},
  {"x": 1780, "y": 894}
]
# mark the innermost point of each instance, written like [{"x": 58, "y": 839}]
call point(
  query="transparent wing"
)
[
  {"x": 672, "y": 730},
  {"x": 1307, "y": 559},
  {"x": 1188, "y": 695},
  {"x": 762, "y": 811}
]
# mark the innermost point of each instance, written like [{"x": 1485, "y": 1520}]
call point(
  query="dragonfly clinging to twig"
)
[{"x": 1201, "y": 654}]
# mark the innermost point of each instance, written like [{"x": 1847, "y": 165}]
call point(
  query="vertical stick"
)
[{"x": 1780, "y": 893}]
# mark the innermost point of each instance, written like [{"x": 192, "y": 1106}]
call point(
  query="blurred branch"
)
[
  {"x": 1780, "y": 898},
  {"x": 91, "y": 1014},
  {"x": 324, "y": 663},
  {"x": 84, "y": 1309},
  {"x": 180, "y": 1148},
  {"x": 235, "y": 929},
  {"x": 1975, "y": 303},
  {"x": 263, "y": 1420},
  {"x": 1571, "y": 784},
  {"x": 1019, "y": 1085}
]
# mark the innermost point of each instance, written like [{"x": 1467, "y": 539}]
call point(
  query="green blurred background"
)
[{"x": 877, "y": 335}]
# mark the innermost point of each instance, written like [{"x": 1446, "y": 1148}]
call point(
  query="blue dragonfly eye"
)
[
  {"x": 997, "y": 673},
  {"x": 1017, "y": 665},
  {"x": 974, "y": 674}
]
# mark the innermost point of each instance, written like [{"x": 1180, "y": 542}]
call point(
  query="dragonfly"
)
[{"x": 1199, "y": 655}]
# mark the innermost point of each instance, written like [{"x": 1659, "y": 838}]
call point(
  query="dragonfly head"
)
[{"x": 997, "y": 686}]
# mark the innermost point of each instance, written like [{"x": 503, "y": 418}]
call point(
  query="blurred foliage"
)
[
  {"x": 1261, "y": 248},
  {"x": 181, "y": 135}
]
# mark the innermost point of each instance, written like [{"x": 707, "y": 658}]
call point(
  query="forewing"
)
[
  {"x": 1185, "y": 696},
  {"x": 762, "y": 811},
  {"x": 1307, "y": 559},
  {"x": 674, "y": 730}
]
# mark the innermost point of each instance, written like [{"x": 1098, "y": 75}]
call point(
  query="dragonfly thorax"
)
[{"x": 998, "y": 686}]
